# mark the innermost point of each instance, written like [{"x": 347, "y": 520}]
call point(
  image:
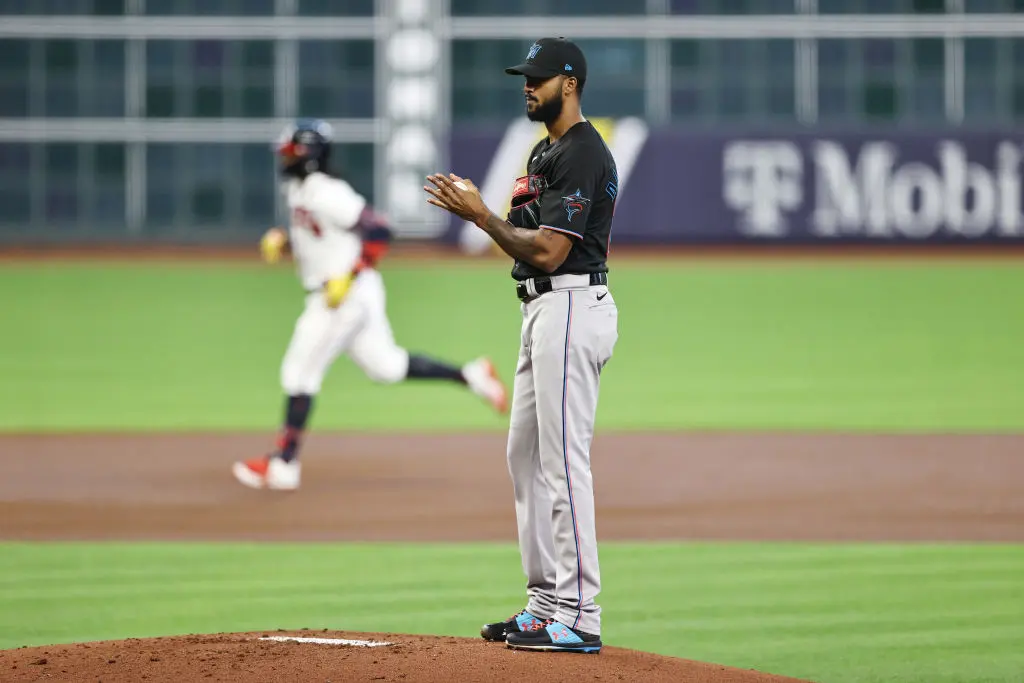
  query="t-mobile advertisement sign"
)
[{"x": 809, "y": 186}]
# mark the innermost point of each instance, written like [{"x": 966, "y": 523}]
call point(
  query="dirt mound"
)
[{"x": 252, "y": 657}]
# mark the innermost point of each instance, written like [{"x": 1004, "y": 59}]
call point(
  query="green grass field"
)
[
  {"x": 734, "y": 346},
  {"x": 831, "y": 346}
]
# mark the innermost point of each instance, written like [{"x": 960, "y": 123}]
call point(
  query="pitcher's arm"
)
[{"x": 543, "y": 248}]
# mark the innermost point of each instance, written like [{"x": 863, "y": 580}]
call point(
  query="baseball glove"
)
[{"x": 524, "y": 211}]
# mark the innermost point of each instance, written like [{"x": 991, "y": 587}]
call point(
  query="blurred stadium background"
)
[
  {"x": 133, "y": 120},
  {"x": 826, "y": 123}
]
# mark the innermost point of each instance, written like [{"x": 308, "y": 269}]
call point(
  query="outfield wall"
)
[
  {"x": 677, "y": 186},
  {"x": 800, "y": 186}
]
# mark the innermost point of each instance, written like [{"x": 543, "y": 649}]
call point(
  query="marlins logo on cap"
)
[{"x": 552, "y": 57}]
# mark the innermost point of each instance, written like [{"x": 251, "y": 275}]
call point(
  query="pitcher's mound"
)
[{"x": 344, "y": 656}]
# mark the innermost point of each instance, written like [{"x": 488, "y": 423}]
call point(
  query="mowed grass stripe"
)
[
  {"x": 156, "y": 560},
  {"x": 722, "y": 345}
]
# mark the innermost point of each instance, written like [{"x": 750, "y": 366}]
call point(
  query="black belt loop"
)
[
  {"x": 521, "y": 292},
  {"x": 543, "y": 285}
]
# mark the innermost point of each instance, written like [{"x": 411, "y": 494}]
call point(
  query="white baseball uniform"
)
[
  {"x": 334, "y": 234},
  {"x": 324, "y": 211}
]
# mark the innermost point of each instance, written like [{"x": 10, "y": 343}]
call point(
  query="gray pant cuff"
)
[
  {"x": 539, "y": 610},
  {"x": 591, "y": 625}
]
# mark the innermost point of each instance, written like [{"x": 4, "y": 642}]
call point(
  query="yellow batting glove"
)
[
  {"x": 336, "y": 289},
  {"x": 272, "y": 244}
]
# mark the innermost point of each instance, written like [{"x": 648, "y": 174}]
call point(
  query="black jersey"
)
[{"x": 578, "y": 198}]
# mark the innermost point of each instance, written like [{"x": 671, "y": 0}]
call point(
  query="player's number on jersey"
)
[{"x": 304, "y": 219}]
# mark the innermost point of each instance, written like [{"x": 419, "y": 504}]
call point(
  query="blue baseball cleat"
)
[
  {"x": 522, "y": 621},
  {"x": 554, "y": 636}
]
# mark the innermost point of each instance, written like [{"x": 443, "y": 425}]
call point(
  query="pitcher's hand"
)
[{"x": 458, "y": 196}]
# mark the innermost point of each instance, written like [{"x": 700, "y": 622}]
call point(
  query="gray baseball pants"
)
[{"x": 567, "y": 337}]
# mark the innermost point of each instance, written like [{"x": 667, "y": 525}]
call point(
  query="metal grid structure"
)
[{"x": 152, "y": 118}]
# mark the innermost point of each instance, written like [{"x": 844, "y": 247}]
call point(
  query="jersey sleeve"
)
[
  {"x": 566, "y": 202},
  {"x": 339, "y": 203},
  {"x": 376, "y": 235}
]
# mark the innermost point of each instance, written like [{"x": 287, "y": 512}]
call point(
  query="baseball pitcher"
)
[
  {"x": 336, "y": 240},
  {"x": 558, "y": 232}
]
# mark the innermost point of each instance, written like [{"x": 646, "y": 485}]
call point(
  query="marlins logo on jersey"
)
[{"x": 574, "y": 203}]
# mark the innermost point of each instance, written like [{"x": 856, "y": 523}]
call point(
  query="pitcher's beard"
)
[{"x": 547, "y": 112}]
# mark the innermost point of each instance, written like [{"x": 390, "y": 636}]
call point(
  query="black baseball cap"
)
[{"x": 552, "y": 57}]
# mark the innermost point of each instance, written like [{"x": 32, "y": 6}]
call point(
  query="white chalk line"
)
[{"x": 328, "y": 641}]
